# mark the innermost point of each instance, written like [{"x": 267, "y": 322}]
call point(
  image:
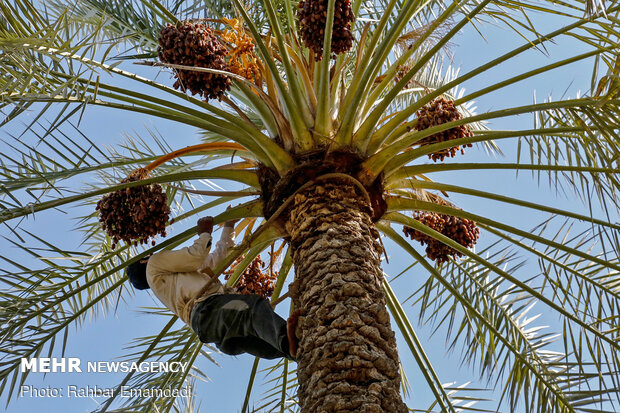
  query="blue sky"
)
[{"x": 107, "y": 336}]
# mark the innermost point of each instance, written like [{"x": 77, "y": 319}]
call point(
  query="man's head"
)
[{"x": 136, "y": 272}]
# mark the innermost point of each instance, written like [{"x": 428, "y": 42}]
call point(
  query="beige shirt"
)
[{"x": 174, "y": 276}]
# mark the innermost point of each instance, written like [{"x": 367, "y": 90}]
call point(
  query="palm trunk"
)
[{"x": 347, "y": 357}]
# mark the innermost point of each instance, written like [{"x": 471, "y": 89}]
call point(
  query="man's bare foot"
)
[{"x": 291, "y": 325}]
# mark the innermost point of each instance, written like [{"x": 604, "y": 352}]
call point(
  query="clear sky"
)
[{"x": 107, "y": 336}]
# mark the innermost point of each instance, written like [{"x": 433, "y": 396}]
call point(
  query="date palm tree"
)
[{"x": 325, "y": 155}]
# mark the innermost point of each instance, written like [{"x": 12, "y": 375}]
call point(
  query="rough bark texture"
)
[{"x": 347, "y": 358}]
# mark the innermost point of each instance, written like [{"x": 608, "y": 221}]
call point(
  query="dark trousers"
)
[{"x": 238, "y": 324}]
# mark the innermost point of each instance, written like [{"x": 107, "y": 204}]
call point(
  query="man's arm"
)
[
  {"x": 182, "y": 260},
  {"x": 222, "y": 247},
  {"x": 185, "y": 259}
]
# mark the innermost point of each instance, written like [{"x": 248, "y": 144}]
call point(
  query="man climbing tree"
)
[{"x": 236, "y": 323}]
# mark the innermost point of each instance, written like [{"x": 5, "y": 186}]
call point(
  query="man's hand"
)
[
  {"x": 231, "y": 223},
  {"x": 205, "y": 224}
]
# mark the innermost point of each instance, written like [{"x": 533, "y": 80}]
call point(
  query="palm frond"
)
[
  {"x": 170, "y": 345},
  {"x": 467, "y": 299}
]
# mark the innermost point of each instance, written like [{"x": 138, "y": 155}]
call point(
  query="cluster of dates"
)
[
  {"x": 436, "y": 113},
  {"x": 134, "y": 214},
  {"x": 194, "y": 44},
  {"x": 461, "y": 230},
  {"x": 255, "y": 279},
  {"x": 312, "y": 15}
]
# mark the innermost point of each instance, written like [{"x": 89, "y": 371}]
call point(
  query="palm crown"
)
[{"x": 367, "y": 105}]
